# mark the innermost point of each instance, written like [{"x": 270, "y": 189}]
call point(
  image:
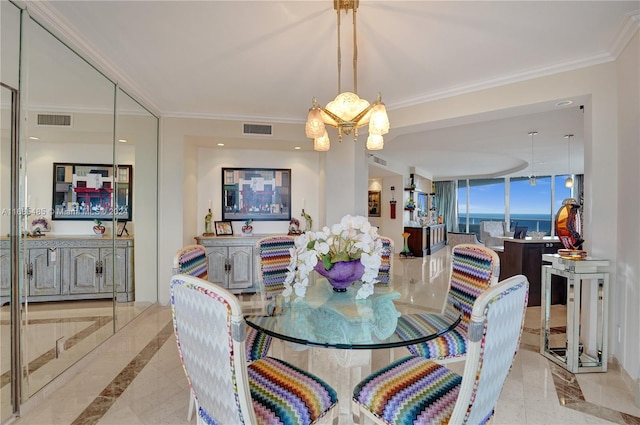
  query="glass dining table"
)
[{"x": 342, "y": 331}]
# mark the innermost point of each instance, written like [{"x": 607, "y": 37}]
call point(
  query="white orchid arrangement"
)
[{"x": 352, "y": 239}]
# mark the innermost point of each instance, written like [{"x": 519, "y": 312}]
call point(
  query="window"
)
[
  {"x": 485, "y": 203},
  {"x": 530, "y": 206}
]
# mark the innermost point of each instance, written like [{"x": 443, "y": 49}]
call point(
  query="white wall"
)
[
  {"x": 304, "y": 179},
  {"x": 625, "y": 289}
]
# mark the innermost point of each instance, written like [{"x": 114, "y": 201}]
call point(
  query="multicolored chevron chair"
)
[
  {"x": 415, "y": 390},
  {"x": 210, "y": 332},
  {"x": 193, "y": 261},
  {"x": 474, "y": 268},
  {"x": 273, "y": 257},
  {"x": 384, "y": 275}
]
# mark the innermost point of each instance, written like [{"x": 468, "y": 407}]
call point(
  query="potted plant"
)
[
  {"x": 348, "y": 251},
  {"x": 98, "y": 229}
]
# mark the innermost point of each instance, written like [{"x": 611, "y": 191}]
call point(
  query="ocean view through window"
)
[{"x": 531, "y": 206}]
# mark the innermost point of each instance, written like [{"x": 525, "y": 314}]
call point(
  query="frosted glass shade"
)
[
  {"x": 347, "y": 106},
  {"x": 322, "y": 143},
  {"x": 375, "y": 142},
  {"x": 568, "y": 182},
  {"x": 379, "y": 121},
  {"x": 315, "y": 126}
]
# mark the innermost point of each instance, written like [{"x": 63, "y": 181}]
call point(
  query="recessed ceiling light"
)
[
  {"x": 122, "y": 140},
  {"x": 220, "y": 144},
  {"x": 564, "y": 103},
  {"x": 34, "y": 138},
  {"x": 297, "y": 148}
]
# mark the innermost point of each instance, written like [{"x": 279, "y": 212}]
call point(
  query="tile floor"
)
[{"x": 136, "y": 377}]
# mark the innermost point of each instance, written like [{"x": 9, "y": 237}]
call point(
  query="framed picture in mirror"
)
[{"x": 91, "y": 191}]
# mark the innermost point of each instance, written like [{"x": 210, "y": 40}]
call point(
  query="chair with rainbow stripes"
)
[
  {"x": 210, "y": 332},
  {"x": 416, "y": 390},
  {"x": 386, "y": 268},
  {"x": 474, "y": 268},
  {"x": 273, "y": 258},
  {"x": 192, "y": 260}
]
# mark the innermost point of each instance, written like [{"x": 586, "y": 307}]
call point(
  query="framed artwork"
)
[
  {"x": 223, "y": 227},
  {"x": 91, "y": 191},
  {"x": 256, "y": 193},
  {"x": 374, "y": 203}
]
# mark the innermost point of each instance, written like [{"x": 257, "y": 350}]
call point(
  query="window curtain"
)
[{"x": 446, "y": 204}]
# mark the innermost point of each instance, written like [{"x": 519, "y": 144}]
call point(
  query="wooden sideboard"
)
[
  {"x": 426, "y": 240},
  {"x": 72, "y": 268},
  {"x": 525, "y": 257}
]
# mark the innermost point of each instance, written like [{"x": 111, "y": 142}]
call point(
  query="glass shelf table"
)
[{"x": 585, "y": 348}]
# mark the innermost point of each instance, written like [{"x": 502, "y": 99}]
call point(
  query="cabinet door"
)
[
  {"x": 83, "y": 270},
  {"x": 241, "y": 259},
  {"x": 45, "y": 271},
  {"x": 109, "y": 275},
  {"x": 217, "y": 265},
  {"x": 5, "y": 266}
]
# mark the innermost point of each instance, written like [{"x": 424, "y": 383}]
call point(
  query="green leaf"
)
[
  {"x": 340, "y": 256},
  {"x": 326, "y": 262}
]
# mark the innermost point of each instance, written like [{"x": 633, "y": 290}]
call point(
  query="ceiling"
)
[{"x": 264, "y": 61}]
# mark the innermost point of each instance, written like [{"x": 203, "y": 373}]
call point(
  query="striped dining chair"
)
[
  {"x": 474, "y": 268},
  {"x": 274, "y": 256},
  {"x": 415, "y": 390},
  {"x": 386, "y": 268},
  {"x": 193, "y": 261},
  {"x": 273, "y": 263},
  {"x": 210, "y": 333}
]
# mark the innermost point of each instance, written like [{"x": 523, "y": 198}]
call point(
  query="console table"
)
[{"x": 575, "y": 356}]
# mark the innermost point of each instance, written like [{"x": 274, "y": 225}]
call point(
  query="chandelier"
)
[
  {"x": 347, "y": 112},
  {"x": 569, "y": 181}
]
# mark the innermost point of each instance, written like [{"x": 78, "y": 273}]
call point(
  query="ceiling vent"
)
[
  {"x": 54, "y": 120},
  {"x": 379, "y": 161},
  {"x": 261, "y": 129}
]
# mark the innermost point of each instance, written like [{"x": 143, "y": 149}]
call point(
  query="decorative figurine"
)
[
  {"x": 247, "y": 229},
  {"x": 207, "y": 224},
  {"x": 406, "y": 253},
  {"x": 308, "y": 220},
  {"x": 294, "y": 226}
]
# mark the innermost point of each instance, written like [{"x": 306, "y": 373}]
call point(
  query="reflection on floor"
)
[
  {"x": 136, "y": 377},
  {"x": 55, "y": 335}
]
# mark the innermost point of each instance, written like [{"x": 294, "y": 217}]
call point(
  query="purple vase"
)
[{"x": 342, "y": 274}]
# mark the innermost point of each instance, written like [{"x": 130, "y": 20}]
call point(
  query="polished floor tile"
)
[{"x": 136, "y": 377}]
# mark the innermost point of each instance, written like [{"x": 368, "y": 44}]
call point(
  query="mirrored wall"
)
[{"x": 88, "y": 184}]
